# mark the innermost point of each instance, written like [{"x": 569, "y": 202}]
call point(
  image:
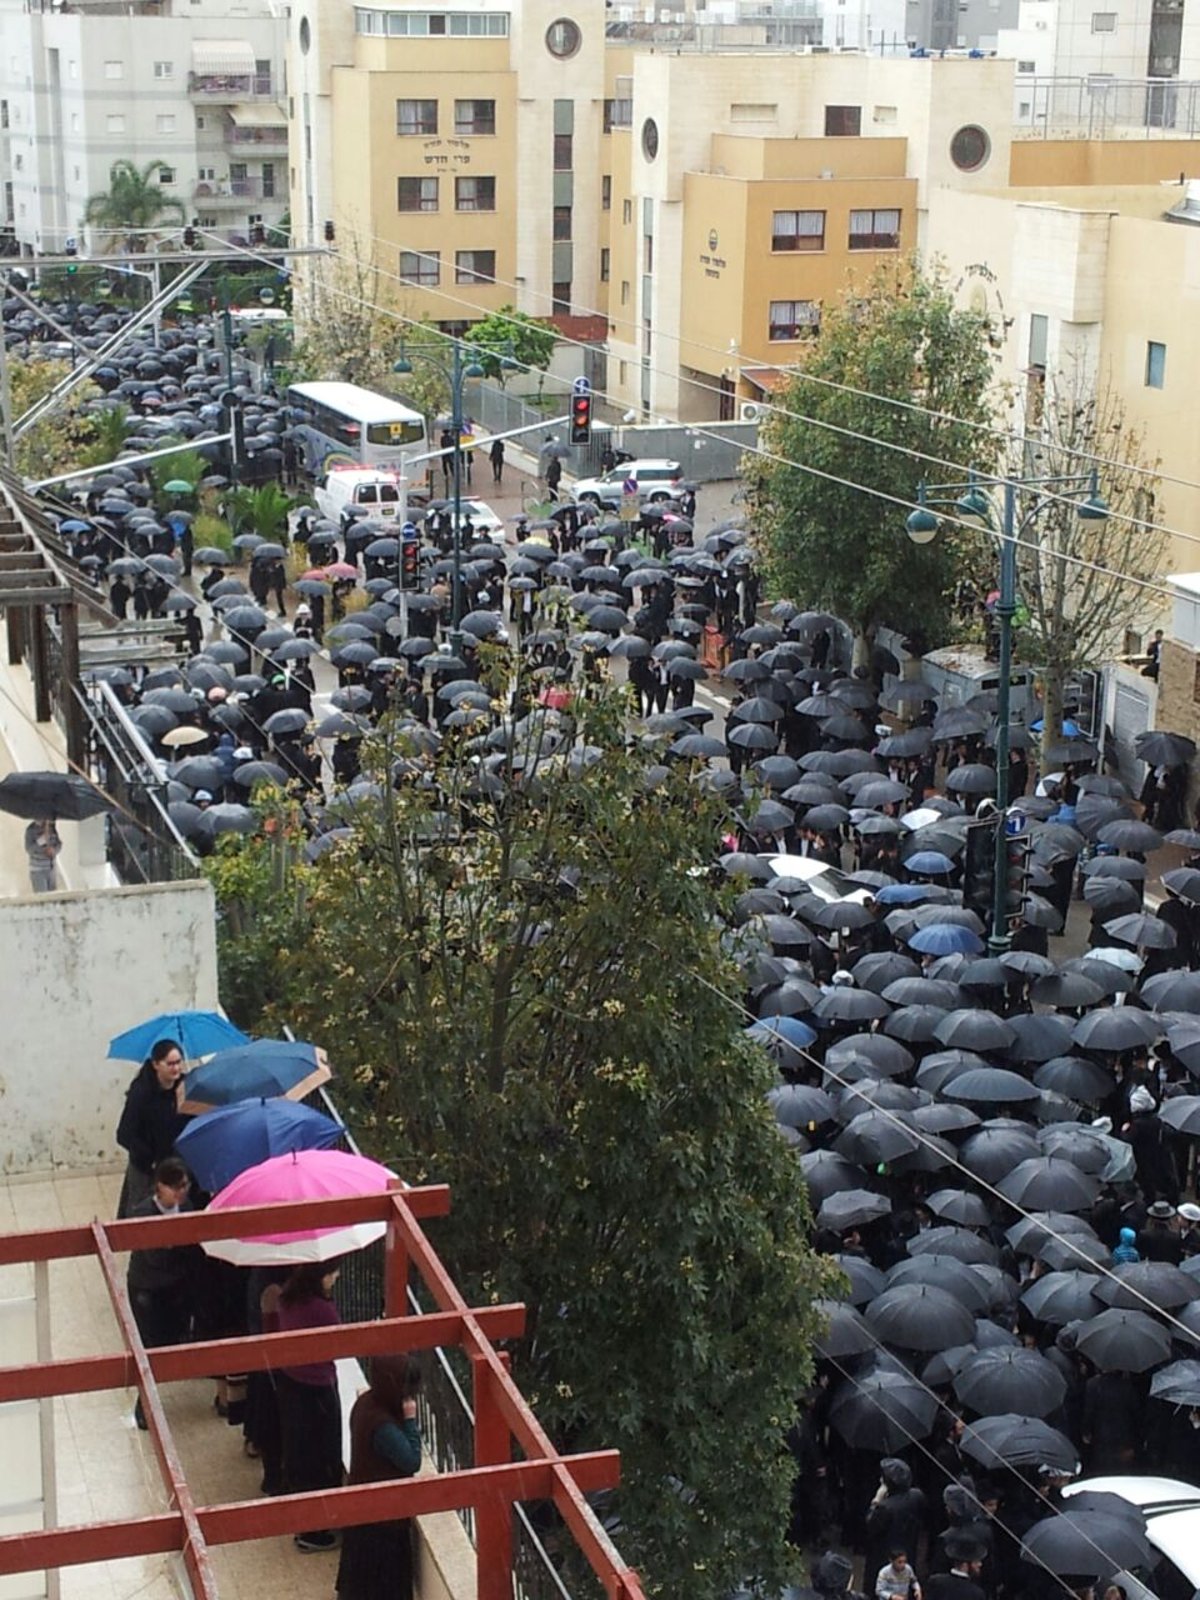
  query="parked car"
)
[
  {"x": 484, "y": 520},
  {"x": 655, "y": 480},
  {"x": 1172, "y": 1512},
  {"x": 826, "y": 882}
]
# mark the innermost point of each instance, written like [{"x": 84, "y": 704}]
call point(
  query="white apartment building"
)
[{"x": 197, "y": 84}]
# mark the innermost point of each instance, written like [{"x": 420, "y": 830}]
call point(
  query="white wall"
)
[{"x": 75, "y": 969}]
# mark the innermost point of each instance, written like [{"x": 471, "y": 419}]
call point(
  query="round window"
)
[
  {"x": 970, "y": 148},
  {"x": 305, "y": 36},
  {"x": 649, "y": 138},
  {"x": 563, "y": 38}
]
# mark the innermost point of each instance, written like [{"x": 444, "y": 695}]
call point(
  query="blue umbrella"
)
[
  {"x": 260, "y": 1067},
  {"x": 903, "y": 894},
  {"x": 788, "y": 1029},
  {"x": 930, "y": 862},
  {"x": 946, "y": 939},
  {"x": 197, "y": 1033},
  {"x": 223, "y": 1143}
]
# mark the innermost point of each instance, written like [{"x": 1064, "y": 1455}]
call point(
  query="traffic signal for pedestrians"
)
[
  {"x": 329, "y": 233},
  {"x": 1018, "y": 865},
  {"x": 979, "y": 866},
  {"x": 581, "y": 416}
]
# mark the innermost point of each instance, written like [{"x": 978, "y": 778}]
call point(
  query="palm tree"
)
[{"x": 133, "y": 203}]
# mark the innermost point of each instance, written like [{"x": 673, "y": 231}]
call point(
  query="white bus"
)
[{"x": 339, "y": 425}]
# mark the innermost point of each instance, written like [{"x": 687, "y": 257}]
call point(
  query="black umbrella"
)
[
  {"x": 255, "y": 772},
  {"x": 853, "y": 1208},
  {"x": 1010, "y": 1379},
  {"x": 956, "y": 1277},
  {"x": 991, "y": 1086},
  {"x": 875, "y": 1136},
  {"x": 1040, "y": 1036},
  {"x": 882, "y": 1411},
  {"x": 1086, "y": 1543},
  {"x": 1069, "y": 991},
  {"x": 1045, "y": 1183},
  {"x": 960, "y": 1243},
  {"x": 199, "y": 772},
  {"x": 1016, "y": 1441},
  {"x": 752, "y": 736},
  {"x": 1076, "y": 1078},
  {"x": 1123, "y": 1341},
  {"x": 826, "y": 1173},
  {"x": 51, "y": 795},
  {"x": 919, "y": 1317},
  {"x": 865, "y": 1281},
  {"x": 228, "y": 819},
  {"x": 1158, "y": 749},
  {"x": 1142, "y": 931},
  {"x": 1116, "y": 1028},
  {"x": 993, "y": 1152},
  {"x": 1178, "y": 1384},
  {"x": 844, "y": 1333},
  {"x": 1062, "y": 1297},
  {"x": 1126, "y": 834},
  {"x": 1134, "y": 1284},
  {"x": 972, "y": 1029}
]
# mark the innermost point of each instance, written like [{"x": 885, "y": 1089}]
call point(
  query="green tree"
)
[
  {"x": 528, "y": 341},
  {"x": 527, "y": 997},
  {"x": 1081, "y": 582},
  {"x": 110, "y": 424},
  {"x": 61, "y": 440},
  {"x": 133, "y": 204},
  {"x": 263, "y": 511},
  {"x": 185, "y": 465},
  {"x": 830, "y": 543},
  {"x": 343, "y": 331}
]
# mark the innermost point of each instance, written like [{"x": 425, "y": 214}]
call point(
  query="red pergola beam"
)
[
  {"x": 213, "y": 1357},
  {"x": 245, "y": 1520},
  {"x": 196, "y": 1227}
]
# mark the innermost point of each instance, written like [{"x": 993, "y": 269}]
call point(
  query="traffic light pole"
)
[{"x": 1006, "y": 610}]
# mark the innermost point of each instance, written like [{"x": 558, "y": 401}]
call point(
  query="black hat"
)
[
  {"x": 962, "y": 1545},
  {"x": 832, "y": 1573}
]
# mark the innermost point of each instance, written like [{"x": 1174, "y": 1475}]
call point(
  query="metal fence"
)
[
  {"x": 143, "y": 843},
  {"x": 1107, "y": 108}
]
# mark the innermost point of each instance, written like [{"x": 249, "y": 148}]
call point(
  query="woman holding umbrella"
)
[
  {"x": 385, "y": 1442},
  {"x": 310, "y": 1411}
]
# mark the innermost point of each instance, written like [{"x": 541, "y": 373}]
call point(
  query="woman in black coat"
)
[{"x": 151, "y": 1120}]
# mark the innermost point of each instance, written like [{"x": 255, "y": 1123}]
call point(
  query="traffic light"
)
[
  {"x": 979, "y": 866},
  {"x": 189, "y": 238},
  {"x": 258, "y": 234},
  {"x": 329, "y": 233},
  {"x": 410, "y": 563},
  {"x": 72, "y": 268},
  {"x": 581, "y": 417},
  {"x": 1018, "y": 867}
]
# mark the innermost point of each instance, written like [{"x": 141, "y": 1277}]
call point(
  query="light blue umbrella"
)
[
  {"x": 197, "y": 1033},
  {"x": 929, "y": 862},
  {"x": 903, "y": 894},
  {"x": 258, "y": 1068},
  {"x": 226, "y": 1141},
  {"x": 946, "y": 939},
  {"x": 786, "y": 1030}
]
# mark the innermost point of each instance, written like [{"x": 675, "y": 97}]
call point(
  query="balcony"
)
[
  {"x": 229, "y": 87},
  {"x": 273, "y": 139},
  {"x": 231, "y": 192}
]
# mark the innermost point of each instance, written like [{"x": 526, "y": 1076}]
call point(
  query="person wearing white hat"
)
[{"x": 1189, "y": 1228}]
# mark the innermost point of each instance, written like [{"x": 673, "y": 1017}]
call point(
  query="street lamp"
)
[
  {"x": 456, "y": 373},
  {"x": 993, "y": 501}
]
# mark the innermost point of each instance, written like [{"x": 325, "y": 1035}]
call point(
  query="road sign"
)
[
  {"x": 581, "y": 386},
  {"x": 1015, "y": 824}
]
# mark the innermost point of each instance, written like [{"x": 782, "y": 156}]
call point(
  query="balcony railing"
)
[
  {"x": 230, "y": 86},
  {"x": 231, "y": 191},
  {"x": 277, "y": 136}
]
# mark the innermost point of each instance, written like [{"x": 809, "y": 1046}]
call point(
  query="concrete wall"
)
[
  {"x": 75, "y": 969},
  {"x": 1054, "y": 163}
]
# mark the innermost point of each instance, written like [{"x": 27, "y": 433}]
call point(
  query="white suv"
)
[{"x": 655, "y": 480}]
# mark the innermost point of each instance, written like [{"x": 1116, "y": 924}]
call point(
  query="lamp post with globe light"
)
[{"x": 994, "y": 503}]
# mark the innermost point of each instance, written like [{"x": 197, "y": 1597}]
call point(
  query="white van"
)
[{"x": 350, "y": 492}]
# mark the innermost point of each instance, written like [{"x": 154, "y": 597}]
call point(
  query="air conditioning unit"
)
[{"x": 752, "y": 411}]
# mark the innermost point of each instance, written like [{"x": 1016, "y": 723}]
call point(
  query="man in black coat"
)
[{"x": 896, "y": 1516}]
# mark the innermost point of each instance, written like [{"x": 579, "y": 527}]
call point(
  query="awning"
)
[
  {"x": 228, "y": 58},
  {"x": 258, "y": 116},
  {"x": 765, "y": 379}
]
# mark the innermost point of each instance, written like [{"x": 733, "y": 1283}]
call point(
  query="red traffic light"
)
[{"x": 581, "y": 418}]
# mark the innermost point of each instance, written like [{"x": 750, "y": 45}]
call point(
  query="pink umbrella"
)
[{"x": 301, "y": 1175}]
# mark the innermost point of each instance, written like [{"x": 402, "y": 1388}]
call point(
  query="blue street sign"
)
[
  {"x": 581, "y": 386},
  {"x": 1015, "y": 823}
]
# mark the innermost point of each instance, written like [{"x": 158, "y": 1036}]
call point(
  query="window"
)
[
  {"x": 843, "y": 122},
  {"x": 1026, "y": 66},
  {"x": 1104, "y": 22},
  {"x": 423, "y": 268},
  {"x": 970, "y": 148},
  {"x": 564, "y": 152},
  {"x": 474, "y": 266},
  {"x": 560, "y": 299},
  {"x": 563, "y": 38},
  {"x": 1039, "y": 339},
  {"x": 649, "y": 138},
  {"x": 886, "y": 115},
  {"x": 562, "y": 222},
  {"x": 164, "y": 122},
  {"x": 475, "y": 194},
  {"x": 606, "y": 193},
  {"x": 424, "y": 24},
  {"x": 199, "y": 124},
  {"x": 874, "y": 230},
  {"x": 114, "y": 123},
  {"x": 3, "y": 113},
  {"x": 206, "y": 174},
  {"x": 474, "y": 116},
  {"x": 798, "y": 230},
  {"x": 114, "y": 70},
  {"x": 416, "y": 194},
  {"x": 624, "y": 291},
  {"x": 1156, "y": 365},
  {"x": 74, "y": 122},
  {"x": 166, "y": 175},
  {"x": 618, "y": 114},
  {"x": 626, "y": 210},
  {"x": 416, "y": 116},
  {"x": 164, "y": 69},
  {"x": 605, "y": 263},
  {"x": 647, "y": 252},
  {"x": 793, "y": 319}
]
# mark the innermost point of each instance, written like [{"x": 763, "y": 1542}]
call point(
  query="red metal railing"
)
[{"x": 502, "y": 1418}]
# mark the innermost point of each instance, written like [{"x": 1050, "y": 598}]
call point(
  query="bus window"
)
[{"x": 396, "y": 433}]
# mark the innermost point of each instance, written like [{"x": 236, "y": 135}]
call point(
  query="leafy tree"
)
[
  {"x": 529, "y": 341},
  {"x": 60, "y": 440},
  {"x": 529, "y": 998},
  {"x": 133, "y": 204},
  {"x": 110, "y": 424},
  {"x": 263, "y": 511},
  {"x": 341, "y": 333},
  {"x": 830, "y": 543},
  {"x": 1079, "y": 580},
  {"x": 188, "y": 466}
]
